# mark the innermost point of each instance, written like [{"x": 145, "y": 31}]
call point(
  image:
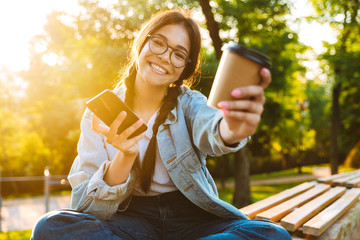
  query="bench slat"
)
[
  {"x": 260, "y": 206},
  {"x": 281, "y": 210},
  {"x": 317, "y": 225},
  {"x": 353, "y": 183},
  {"x": 342, "y": 181},
  {"x": 295, "y": 219},
  {"x": 331, "y": 178}
]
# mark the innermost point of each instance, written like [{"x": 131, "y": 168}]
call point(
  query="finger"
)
[
  {"x": 265, "y": 78},
  {"x": 130, "y": 130},
  {"x": 97, "y": 127},
  {"x": 131, "y": 142},
  {"x": 116, "y": 124},
  {"x": 243, "y": 105},
  {"x": 250, "y": 118},
  {"x": 252, "y": 91}
]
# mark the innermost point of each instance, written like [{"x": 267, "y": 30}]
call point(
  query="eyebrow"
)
[{"x": 177, "y": 46}]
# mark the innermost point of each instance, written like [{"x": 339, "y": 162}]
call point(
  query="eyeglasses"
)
[{"x": 159, "y": 46}]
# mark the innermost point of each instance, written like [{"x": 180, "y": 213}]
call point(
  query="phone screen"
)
[{"x": 107, "y": 106}]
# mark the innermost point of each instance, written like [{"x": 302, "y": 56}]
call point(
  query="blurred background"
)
[{"x": 55, "y": 55}]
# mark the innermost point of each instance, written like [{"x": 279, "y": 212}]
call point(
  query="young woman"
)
[{"x": 156, "y": 185}]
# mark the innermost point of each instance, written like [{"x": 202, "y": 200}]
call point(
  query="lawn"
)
[
  {"x": 16, "y": 235},
  {"x": 258, "y": 192}
]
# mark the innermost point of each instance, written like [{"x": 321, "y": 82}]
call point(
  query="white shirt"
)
[{"x": 161, "y": 181}]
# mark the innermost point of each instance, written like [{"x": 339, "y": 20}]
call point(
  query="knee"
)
[
  {"x": 46, "y": 224},
  {"x": 271, "y": 230},
  {"x": 41, "y": 227}
]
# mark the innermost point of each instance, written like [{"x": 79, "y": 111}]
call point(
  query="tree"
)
[
  {"x": 212, "y": 27},
  {"x": 87, "y": 53},
  {"x": 342, "y": 58},
  {"x": 260, "y": 25}
]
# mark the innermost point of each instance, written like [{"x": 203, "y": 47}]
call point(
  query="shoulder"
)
[{"x": 189, "y": 95}]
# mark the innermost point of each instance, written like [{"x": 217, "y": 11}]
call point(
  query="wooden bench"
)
[{"x": 314, "y": 209}]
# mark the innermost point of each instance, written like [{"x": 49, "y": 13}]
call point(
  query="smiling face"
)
[{"x": 157, "y": 70}]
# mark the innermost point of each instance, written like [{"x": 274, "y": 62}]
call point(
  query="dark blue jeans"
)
[{"x": 170, "y": 216}]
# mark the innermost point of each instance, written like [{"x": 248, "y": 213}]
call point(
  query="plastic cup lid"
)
[{"x": 248, "y": 53}]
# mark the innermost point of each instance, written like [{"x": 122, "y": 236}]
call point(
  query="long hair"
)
[{"x": 127, "y": 77}]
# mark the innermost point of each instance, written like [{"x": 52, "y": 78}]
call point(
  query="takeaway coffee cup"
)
[{"x": 239, "y": 66}]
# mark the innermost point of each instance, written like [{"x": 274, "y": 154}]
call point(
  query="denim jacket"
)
[{"x": 189, "y": 134}]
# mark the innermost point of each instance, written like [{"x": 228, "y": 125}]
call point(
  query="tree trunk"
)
[
  {"x": 242, "y": 182},
  {"x": 351, "y": 14},
  {"x": 335, "y": 122},
  {"x": 224, "y": 170},
  {"x": 212, "y": 26}
]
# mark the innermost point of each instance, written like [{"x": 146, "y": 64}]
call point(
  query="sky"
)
[{"x": 20, "y": 20}]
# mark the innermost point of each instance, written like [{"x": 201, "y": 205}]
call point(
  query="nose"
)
[{"x": 166, "y": 55}]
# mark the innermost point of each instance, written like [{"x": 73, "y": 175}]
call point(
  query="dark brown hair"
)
[{"x": 157, "y": 21}]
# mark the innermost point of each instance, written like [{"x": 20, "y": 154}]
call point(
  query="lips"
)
[{"x": 158, "y": 68}]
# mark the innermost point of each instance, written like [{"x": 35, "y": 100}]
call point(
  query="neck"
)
[{"x": 147, "y": 99}]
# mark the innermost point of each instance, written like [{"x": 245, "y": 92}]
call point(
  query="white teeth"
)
[{"x": 160, "y": 69}]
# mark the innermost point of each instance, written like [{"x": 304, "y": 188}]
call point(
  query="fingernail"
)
[
  {"x": 139, "y": 122},
  {"x": 223, "y": 104},
  {"x": 266, "y": 71},
  {"x": 225, "y": 111},
  {"x": 236, "y": 93}
]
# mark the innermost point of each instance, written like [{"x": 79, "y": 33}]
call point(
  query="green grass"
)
[
  {"x": 284, "y": 173},
  {"x": 306, "y": 170},
  {"x": 258, "y": 192},
  {"x": 16, "y": 235},
  {"x": 22, "y": 196},
  {"x": 263, "y": 191}
]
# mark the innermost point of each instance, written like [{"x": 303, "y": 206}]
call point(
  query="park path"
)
[
  {"x": 21, "y": 214},
  {"x": 317, "y": 172}
]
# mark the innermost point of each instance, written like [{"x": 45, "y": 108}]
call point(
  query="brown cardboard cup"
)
[{"x": 239, "y": 66}]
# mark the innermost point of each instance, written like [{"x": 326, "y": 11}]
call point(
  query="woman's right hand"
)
[{"x": 119, "y": 141}]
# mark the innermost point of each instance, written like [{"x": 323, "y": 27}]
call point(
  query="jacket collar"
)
[
  {"x": 172, "y": 117},
  {"x": 120, "y": 92}
]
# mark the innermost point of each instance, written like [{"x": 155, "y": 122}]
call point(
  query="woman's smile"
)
[{"x": 158, "y": 68}]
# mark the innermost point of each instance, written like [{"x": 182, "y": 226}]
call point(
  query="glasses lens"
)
[
  {"x": 158, "y": 45},
  {"x": 178, "y": 58}
]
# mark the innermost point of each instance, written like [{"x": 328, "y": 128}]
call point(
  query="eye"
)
[
  {"x": 180, "y": 55},
  {"x": 158, "y": 42}
]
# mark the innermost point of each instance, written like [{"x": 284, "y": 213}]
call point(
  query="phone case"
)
[{"x": 107, "y": 106}]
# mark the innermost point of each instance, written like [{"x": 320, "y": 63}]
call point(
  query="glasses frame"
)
[{"x": 167, "y": 47}]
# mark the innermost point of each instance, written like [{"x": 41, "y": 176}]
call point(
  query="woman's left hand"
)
[{"x": 242, "y": 115}]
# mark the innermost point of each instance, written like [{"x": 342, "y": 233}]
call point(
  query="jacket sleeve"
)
[
  {"x": 90, "y": 193},
  {"x": 203, "y": 123}
]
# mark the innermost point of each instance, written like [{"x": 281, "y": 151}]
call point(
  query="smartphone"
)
[{"x": 107, "y": 106}]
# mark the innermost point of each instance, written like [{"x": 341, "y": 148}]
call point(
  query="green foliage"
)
[
  {"x": 78, "y": 56},
  {"x": 262, "y": 25},
  {"x": 16, "y": 235},
  {"x": 258, "y": 192},
  {"x": 341, "y": 62},
  {"x": 353, "y": 158}
]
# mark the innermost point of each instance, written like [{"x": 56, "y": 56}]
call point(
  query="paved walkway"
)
[{"x": 21, "y": 214}]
